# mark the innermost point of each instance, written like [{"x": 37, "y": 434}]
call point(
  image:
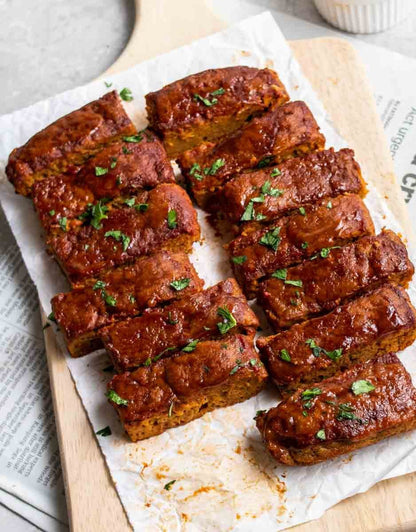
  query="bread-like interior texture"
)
[
  {"x": 336, "y": 275},
  {"x": 285, "y": 132},
  {"x": 121, "y": 293},
  {"x": 354, "y": 409},
  {"x": 382, "y": 320},
  {"x": 176, "y": 390},
  {"x": 211, "y": 104},
  {"x": 69, "y": 142}
]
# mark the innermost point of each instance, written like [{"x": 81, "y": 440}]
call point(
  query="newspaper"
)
[
  {"x": 224, "y": 478},
  {"x": 29, "y": 454}
]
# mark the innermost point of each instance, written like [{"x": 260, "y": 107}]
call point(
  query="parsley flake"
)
[
  {"x": 172, "y": 219},
  {"x": 275, "y": 172},
  {"x": 271, "y": 239},
  {"x": 195, "y": 171},
  {"x": 126, "y": 95},
  {"x": 113, "y": 396},
  {"x": 99, "y": 170},
  {"x": 93, "y": 214},
  {"x": 169, "y": 485},
  {"x": 180, "y": 284},
  {"x": 284, "y": 355},
  {"x": 362, "y": 386},
  {"x": 52, "y": 213},
  {"x": 99, "y": 285},
  {"x": 62, "y": 223},
  {"x": 141, "y": 207},
  {"x": 302, "y": 211},
  {"x": 190, "y": 346},
  {"x": 280, "y": 274},
  {"x": 229, "y": 322},
  {"x": 106, "y": 431},
  {"x": 266, "y": 161},
  {"x": 321, "y": 434},
  {"x": 240, "y": 259},
  {"x": 213, "y": 169},
  {"x": 133, "y": 138},
  {"x": 119, "y": 236}
]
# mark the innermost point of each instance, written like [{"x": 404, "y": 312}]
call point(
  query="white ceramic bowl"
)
[{"x": 364, "y": 16}]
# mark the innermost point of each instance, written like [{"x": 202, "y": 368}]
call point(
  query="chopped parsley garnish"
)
[
  {"x": 62, "y": 223},
  {"x": 304, "y": 245},
  {"x": 51, "y": 317},
  {"x": 302, "y": 211},
  {"x": 240, "y": 259},
  {"x": 52, "y": 213},
  {"x": 284, "y": 355},
  {"x": 304, "y": 413},
  {"x": 317, "y": 351},
  {"x": 362, "y": 386},
  {"x": 294, "y": 282},
  {"x": 157, "y": 357},
  {"x": 180, "y": 284},
  {"x": 169, "y": 485},
  {"x": 228, "y": 320},
  {"x": 126, "y": 95},
  {"x": 113, "y": 396},
  {"x": 106, "y": 431},
  {"x": 108, "y": 300},
  {"x": 271, "y": 239},
  {"x": 195, "y": 171},
  {"x": 147, "y": 362},
  {"x": 238, "y": 365},
  {"x": 275, "y": 172},
  {"x": 129, "y": 202},
  {"x": 126, "y": 151},
  {"x": 190, "y": 346},
  {"x": 310, "y": 393},
  {"x": 119, "y": 237},
  {"x": 266, "y": 161},
  {"x": 170, "y": 320},
  {"x": 108, "y": 83},
  {"x": 280, "y": 274},
  {"x": 113, "y": 163},
  {"x": 267, "y": 190},
  {"x": 118, "y": 180},
  {"x": 213, "y": 169},
  {"x": 99, "y": 170},
  {"x": 259, "y": 413},
  {"x": 132, "y": 299},
  {"x": 172, "y": 219},
  {"x": 329, "y": 205},
  {"x": 99, "y": 285},
  {"x": 326, "y": 251},
  {"x": 141, "y": 207},
  {"x": 346, "y": 412},
  {"x": 294, "y": 303},
  {"x": 206, "y": 100},
  {"x": 133, "y": 138},
  {"x": 321, "y": 434},
  {"x": 253, "y": 362},
  {"x": 93, "y": 214},
  {"x": 170, "y": 409}
]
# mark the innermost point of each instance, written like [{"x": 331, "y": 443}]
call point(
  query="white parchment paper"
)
[{"x": 224, "y": 478}]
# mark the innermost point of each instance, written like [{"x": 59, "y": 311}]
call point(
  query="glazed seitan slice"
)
[
  {"x": 176, "y": 390},
  {"x": 365, "y": 404},
  {"x": 211, "y": 104},
  {"x": 287, "y": 131},
  {"x": 271, "y": 192},
  {"x": 293, "y": 238},
  {"x": 121, "y": 293},
  {"x": 380, "y": 321},
  {"x": 68, "y": 142},
  {"x": 122, "y": 168},
  {"x": 318, "y": 286},
  {"x": 161, "y": 331},
  {"x": 123, "y": 230}
]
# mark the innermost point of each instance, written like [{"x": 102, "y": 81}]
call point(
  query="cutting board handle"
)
[{"x": 162, "y": 25}]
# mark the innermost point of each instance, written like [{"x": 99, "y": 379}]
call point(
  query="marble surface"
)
[{"x": 48, "y": 46}]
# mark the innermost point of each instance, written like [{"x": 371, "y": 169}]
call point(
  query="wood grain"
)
[{"x": 339, "y": 79}]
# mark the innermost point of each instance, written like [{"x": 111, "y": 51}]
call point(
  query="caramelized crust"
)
[
  {"x": 124, "y": 168},
  {"x": 177, "y": 390},
  {"x": 183, "y": 120},
  {"x": 121, "y": 293},
  {"x": 84, "y": 251},
  {"x": 383, "y": 320},
  {"x": 308, "y": 179},
  {"x": 159, "y": 332},
  {"x": 297, "y": 237},
  {"x": 287, "y": 131},
  {"x": 337, "y": 420},
  {"x": 68, "y": 142},
  {"x": 318, "y": 286}
]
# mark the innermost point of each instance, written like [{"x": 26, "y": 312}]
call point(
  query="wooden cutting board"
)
[{"x": 340, "y": 81}]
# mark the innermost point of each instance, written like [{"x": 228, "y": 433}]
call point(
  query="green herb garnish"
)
[
  {"x": 180, "y": 284},
  {"x": 119, "y": 237},
  {"x": 133, "y": 139},
  {"x": 113, "y": 396},
  {"x": 126, "y": 95},
  {"x": 190, "y": 346},
  {"x": 169, "y": 485},
  {"x": 172, "y": 219},
  {"x": 238, "y": 365},
  {"x": 240, "y": 259},
  {"x": 52, "y": 213},
  {"x": 106, "y": 431},
  {"x": 266, "y": 161},
  {"x": 99, "y": 285},
  {"x": 129, "y": 202},
  {"x": 228, "y": 320},
  {"x": 62, "y": 223},
  {"x": 213, "y": 169},
  {"x": 195, "y": 171},
  {"x": 99, "y": 170},
  {"x": 302, "y": 211},
  {"x": 284, "y": 355},
  {"x": 271, "y": 239},
  {"x": 362, "y": 386},
  {"x": 321, "y": 434},
  {"x": 108, "y": 83},
  {"x": 280, "y": 274},
  {"x": 275, "y": 172},
  {"x": 93, "y": 214},
  {"x": 141, "y": 207}
]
